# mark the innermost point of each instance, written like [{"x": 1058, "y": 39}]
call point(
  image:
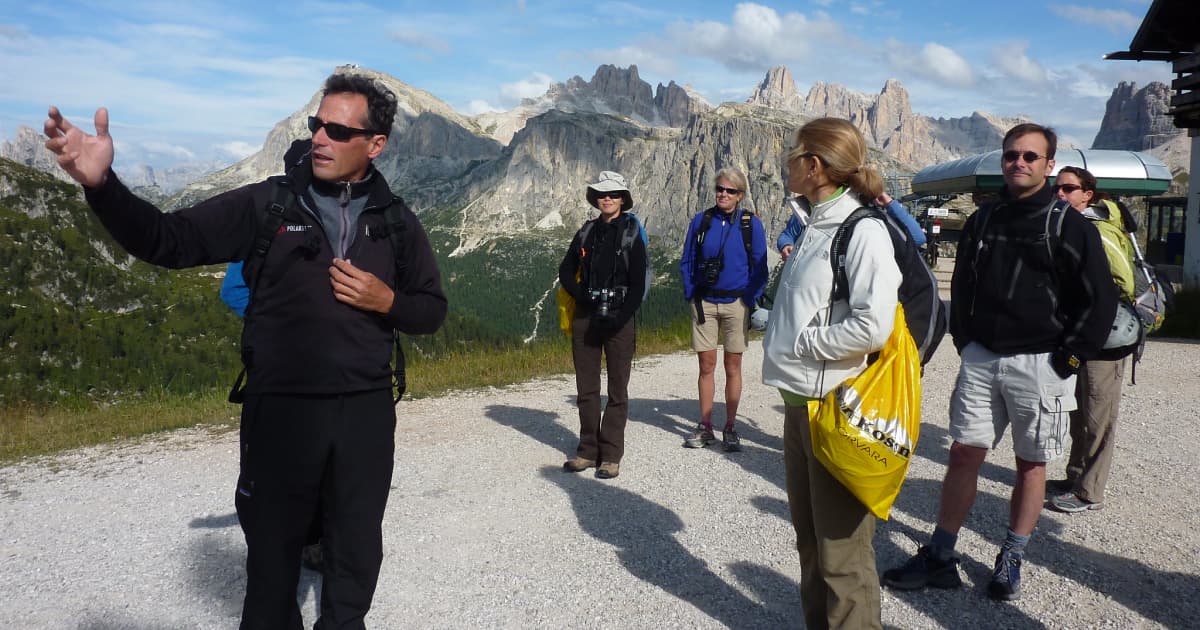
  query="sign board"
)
[{"x": 938, "y": 212}]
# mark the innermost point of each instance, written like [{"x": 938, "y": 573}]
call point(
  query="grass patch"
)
[{"x": 29, "y": 430}]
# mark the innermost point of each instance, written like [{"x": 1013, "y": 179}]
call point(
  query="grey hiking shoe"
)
[
  {"x": 1006, "y": 577},
  {"x": 731, "y": 442},
  {"x": 700, "y": 438},
  {"x": 1055, "y": 487},
  {"x": 1070, "y": 503},
  {"x": 921, "y": 570}
]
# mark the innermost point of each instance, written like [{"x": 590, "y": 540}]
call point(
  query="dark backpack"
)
[
  {"x": 924, "y": 311},
  {"x": 272, "y": 220},
  {"x": 633, "y": 230}
]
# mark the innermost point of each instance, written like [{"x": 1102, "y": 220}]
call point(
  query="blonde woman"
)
[{"x": 812, "y": 345}]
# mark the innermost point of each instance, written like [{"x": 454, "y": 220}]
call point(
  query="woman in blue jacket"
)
[{"x": 724, "y": 269}]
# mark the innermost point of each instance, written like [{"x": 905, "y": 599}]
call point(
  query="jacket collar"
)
[
  {"x": 1033, "y": 203},
  {"x": 373, "y": 184}
]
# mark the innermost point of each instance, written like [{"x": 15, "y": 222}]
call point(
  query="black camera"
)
[
  {"x": 710, "y": 270},
  {"x": 607, "y": 301}
]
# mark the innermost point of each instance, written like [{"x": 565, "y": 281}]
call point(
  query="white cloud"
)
[
  {"x": 756, "y": 37},
  {"x": 238, "y": 149},
  {"x": 1111, "y": 19},
  {"x": 1011, "y": 60},
  {"x": 479, "y": 106},
  {"x": 648, "y": 61},
  {"x": 532, "y": 86},
  {"x": 934, "y": 62},
  {"x": 420, "y": 40},
  {"x": 166, "y": 149}
]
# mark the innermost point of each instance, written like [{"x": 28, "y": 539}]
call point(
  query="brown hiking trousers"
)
[
  {"x": 602, "y": 438},
  {"x": 1094, "y": 427}
]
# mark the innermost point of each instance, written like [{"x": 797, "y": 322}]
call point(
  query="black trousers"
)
[
  {"x": 602, "y": 438},
  {"x": 298, "y": 452}
]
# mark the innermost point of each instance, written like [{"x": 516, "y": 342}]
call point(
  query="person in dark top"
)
[
  {"x": 1031, "y": 299},
  {"x": 318, "y": 420},
  {"x": 604, "y": 269}
]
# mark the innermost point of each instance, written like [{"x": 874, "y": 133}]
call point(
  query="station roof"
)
[
  {"x": 1168, "y": 32},
  {"x": 1117, "y": 172}
]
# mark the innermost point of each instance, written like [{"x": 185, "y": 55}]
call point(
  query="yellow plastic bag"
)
[
  {"x": 865, "y": 431},
  {"x": 566, "y": 306}
]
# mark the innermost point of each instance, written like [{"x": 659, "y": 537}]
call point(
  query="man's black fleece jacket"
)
[
  {"x": 1011, "y": 296},
  {"x": 297, "y": 338}
]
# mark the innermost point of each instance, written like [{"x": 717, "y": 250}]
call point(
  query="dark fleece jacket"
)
[{"x": 1013, "y": 295}]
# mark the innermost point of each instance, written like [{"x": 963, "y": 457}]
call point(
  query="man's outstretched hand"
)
[{"x": 84, "y": 157}]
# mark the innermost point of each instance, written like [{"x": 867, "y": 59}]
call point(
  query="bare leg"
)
[
  {"x": 706, "y": 384},
  {"x": 1029, "y": 492},
  {"x": 959, "y": 486},
  {"x": 733, "y": 386}
]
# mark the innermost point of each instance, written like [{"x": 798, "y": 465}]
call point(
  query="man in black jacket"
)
[
  {"x": 1032, "y": 297},
  {"x": 318, "y": 421}
]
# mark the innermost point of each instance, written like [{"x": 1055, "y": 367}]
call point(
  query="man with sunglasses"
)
[
  {"x": 1031, "y": 298},
  {"x": 318, "y": 420}
]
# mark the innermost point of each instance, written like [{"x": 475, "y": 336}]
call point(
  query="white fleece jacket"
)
[{"x": 811, "y": 346}]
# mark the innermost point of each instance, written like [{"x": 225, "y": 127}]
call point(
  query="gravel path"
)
[{"x": 484, "y": 530}]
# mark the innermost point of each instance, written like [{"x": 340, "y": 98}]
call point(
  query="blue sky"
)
[{"x": 204, "y": 80}]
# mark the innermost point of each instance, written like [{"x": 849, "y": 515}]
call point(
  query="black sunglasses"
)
[
  {"x": 1068, "y": 188},
  {"x": 610, "y": 195},
  {"x": 336, "y": 132},
  {"x": 728, "y": 191},
  {"x": 1029, "y": 156}
]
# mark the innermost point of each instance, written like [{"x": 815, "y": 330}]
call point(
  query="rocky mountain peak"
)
[
  {"x": 611, "y": 90},
  {"x": 777, "y": 90},
  {"x": 28, "y": 148},
  {"x": 1135, "y": 119}
]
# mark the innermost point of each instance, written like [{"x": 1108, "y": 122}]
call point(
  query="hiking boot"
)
[
  {"x": 608, "y": 470},
  {"x": 1055, "y": 487},
  {"x": 1006, "y": 577},
  {"x": 701, "y": 437},
  {"x": 923, "y": 569},
  {"x": 1070, "y": 503},
  {"x": 577, "y": 464},
  {"x": 729, "y": 439}
]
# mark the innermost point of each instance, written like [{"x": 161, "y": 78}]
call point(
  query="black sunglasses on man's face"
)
[
  {"x": 336, "y": 132},
  {"x": 1029, "y": 156}
]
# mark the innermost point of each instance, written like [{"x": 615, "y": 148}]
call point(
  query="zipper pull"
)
[{"x": 344, "y": 197}]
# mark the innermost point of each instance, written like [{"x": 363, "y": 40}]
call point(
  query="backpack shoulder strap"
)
[
  {"x": 841, "y": 244},
  {"x": 705, "y": 223},
  {"x": 747, "y": 221},
  {"x": 396, "y": 225},
  {"x": 281, "y": 198}
]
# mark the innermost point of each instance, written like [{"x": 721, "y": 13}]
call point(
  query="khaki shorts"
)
[
  {"x": 995, "y": 390},
  {"x": 724, "y": 324}
]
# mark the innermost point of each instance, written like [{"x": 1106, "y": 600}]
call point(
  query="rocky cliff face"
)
[
  {"x": 886, "y": 120},
  {"x": 431, "y": 146},
  {"x": 1137, "y": 120},
  {"x": 612, "y": 90},
  {"x": 29, "y": 149}
]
